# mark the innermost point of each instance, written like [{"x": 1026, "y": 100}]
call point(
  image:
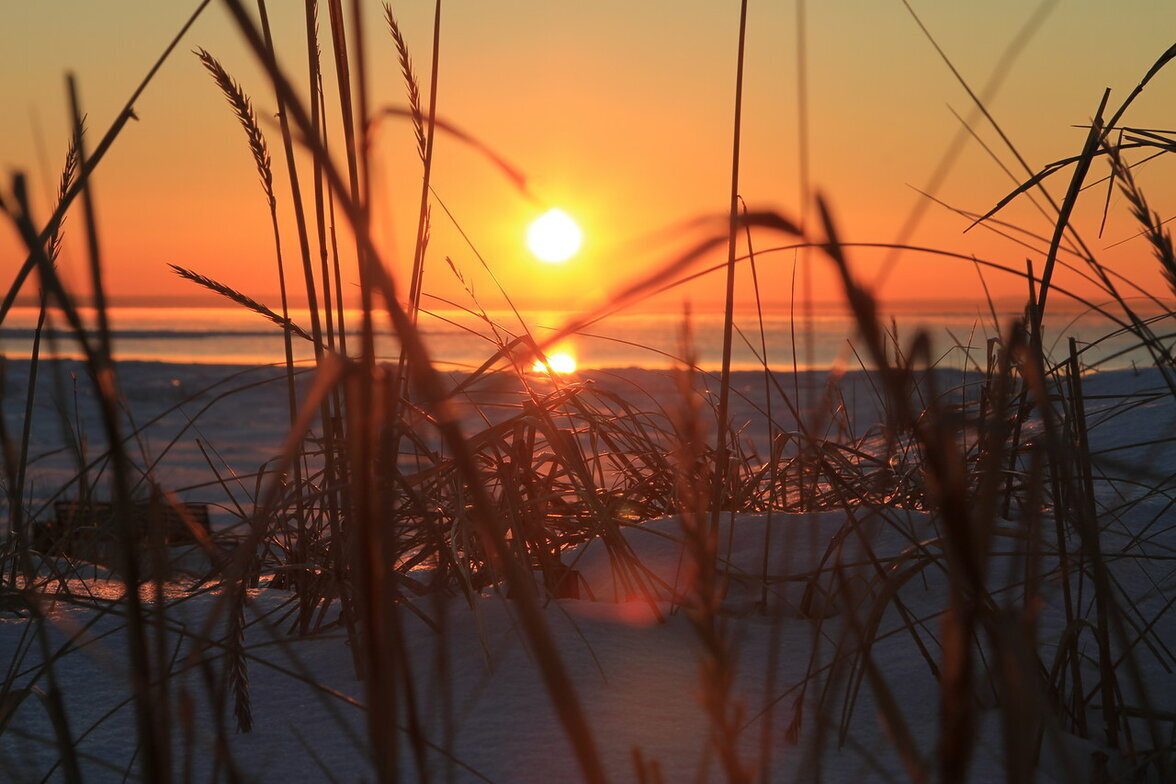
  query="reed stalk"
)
[{"x": 722, "y": 458}]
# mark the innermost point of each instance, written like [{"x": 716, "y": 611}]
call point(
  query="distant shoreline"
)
[{"x": 1002, "y": 305}]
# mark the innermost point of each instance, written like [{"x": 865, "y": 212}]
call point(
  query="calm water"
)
[{"x": 456, "y": 339}]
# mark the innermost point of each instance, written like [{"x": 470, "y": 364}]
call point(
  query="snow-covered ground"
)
[{"x": 635, "y": 660}]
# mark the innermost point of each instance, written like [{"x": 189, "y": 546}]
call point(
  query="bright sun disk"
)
[
  {"x": 556, "y": 363},
  {"x": 554, "y": 237}
]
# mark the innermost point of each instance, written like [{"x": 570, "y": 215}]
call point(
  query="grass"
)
[{"x": 945, "y": 528}]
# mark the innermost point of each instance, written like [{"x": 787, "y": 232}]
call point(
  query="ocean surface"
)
[{"x": 456, "y": 339}]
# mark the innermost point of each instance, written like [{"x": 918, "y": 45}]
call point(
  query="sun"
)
[
  {"x": 556, "y": 363},
  {"x": 554, "y": 237}
]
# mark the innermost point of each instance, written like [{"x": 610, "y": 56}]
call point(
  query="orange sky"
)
[{"x": 618, "y": 112}]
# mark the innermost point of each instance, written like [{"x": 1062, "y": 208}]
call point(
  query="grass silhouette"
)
[{"x": 992, "y": 531}]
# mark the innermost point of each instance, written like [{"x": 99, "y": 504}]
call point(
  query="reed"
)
[{"x": 941, "y": 530}]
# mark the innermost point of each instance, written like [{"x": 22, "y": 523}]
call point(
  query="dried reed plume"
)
[
  {"x": 410, "y": 80},
  {"x": 243, "y": 108},
  {"x": 238, "y": 668},
  {"x": 242, "y": 299},
  {"x": 1160, "y": 239},
  {"x": 69, "y": 174}
]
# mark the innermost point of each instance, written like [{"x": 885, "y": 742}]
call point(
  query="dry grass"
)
[{"x": 380, "y": 477}]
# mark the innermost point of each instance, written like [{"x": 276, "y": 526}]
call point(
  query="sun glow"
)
[
  {"x": 561, "y": 362},
  {"x": 554, "y": 237}
]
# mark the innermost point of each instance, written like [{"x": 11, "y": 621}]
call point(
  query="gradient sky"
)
[{"x": 618, "y": 112}]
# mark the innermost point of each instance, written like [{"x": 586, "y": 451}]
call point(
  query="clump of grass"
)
[{"x": 380, "y": 476}]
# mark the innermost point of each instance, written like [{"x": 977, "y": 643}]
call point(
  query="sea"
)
[
  {"x": 789, "y": 338},
  {"x": 204, "y": 404}
]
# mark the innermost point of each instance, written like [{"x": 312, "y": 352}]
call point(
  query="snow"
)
[{"x": 635, "y": 660}]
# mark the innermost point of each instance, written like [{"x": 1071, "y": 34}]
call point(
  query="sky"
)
[{"x": 619, "y": 113}]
